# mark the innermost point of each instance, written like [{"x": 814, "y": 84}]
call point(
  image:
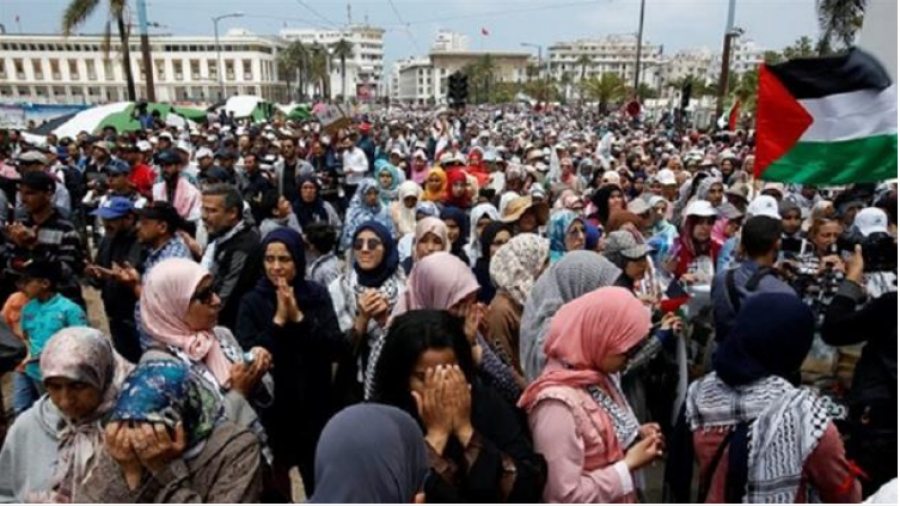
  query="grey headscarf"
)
[
  {"x": 576, "y": 274},
  {"x": 370, "y": 453}
]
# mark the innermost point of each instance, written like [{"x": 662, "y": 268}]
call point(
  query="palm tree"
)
[
  {"x": 802, "y": 48},
  {"x": 318, "y": 70},
  {"x": 287, "y": 66},
  {"x": 532, "y": 71},
  {"x": 566, "y": 80},
  {"x": 77, "y": 13},
  {"x": 583, "y": 61},
  {"x": 342, "y": 50},
  {"x": 839, "y": 20},
  {"x": 293, "y": 61},
  {"x": 608, "y": 88}
]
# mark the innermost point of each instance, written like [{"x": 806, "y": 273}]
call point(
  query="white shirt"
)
[{"x": 356, "y": 165}]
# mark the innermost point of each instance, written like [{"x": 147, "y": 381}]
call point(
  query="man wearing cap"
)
[
  {"x": 175, "y": 189},
  {"x": 118, "y": 248},
  {"x": 205, "y": 161},
  {"x": 141, "y": 176},
  {"x": 35, "y": 161},
  {"x": 226, "y": 159},
  {"x": 45, "y": 233},
  {"x": 101, "y": 155}
]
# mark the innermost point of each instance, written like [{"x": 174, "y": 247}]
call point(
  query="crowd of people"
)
[{"x": 500, "y": 305}]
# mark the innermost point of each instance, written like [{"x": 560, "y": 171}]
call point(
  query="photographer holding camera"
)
[{"x": 856, "y": 316}]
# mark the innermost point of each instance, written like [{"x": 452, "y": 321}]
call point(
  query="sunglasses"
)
[
  {"x": 369, "y": 244},
  {"x": 205, "y": 296}
]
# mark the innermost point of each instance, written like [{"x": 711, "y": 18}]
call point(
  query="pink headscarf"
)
[
  {"x": 165, "y": 299},
  {"x": 434, "y": 226},
  {"x": 605, "y": 322},
  {"x": 438, "y": 281}
]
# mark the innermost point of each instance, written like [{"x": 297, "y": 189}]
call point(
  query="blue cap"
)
[
  {"x": 62, "y": 152},
  {"x": 114, "y": 208},
  {"x": 118, "y": 167},
  {"x": 218, "y": 173},
  {"x": 167, "y": 157}
]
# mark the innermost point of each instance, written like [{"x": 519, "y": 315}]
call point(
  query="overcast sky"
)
[{"x": 412, "y": 24}]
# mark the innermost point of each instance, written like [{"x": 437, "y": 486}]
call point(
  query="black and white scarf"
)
[
  {"x": 624, "y": 422},
  {"x": 786, "y": 424}
]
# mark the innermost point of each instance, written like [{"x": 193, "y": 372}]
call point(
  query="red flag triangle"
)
[{"x": 780, "y": 121}]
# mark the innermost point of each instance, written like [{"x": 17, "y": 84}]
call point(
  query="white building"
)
[
  {"x": 363, "y": 70},
  {"x": 54, "y": 69},
  {"x": 746, "y": 55},
  {"x": 615, "y": 53},
  {"x": 447, "y": 40},
  {"x": 688, "y": 62},
  {"x": 416, "y": 82}
]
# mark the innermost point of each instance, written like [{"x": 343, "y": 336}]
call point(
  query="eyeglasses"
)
[
  {"x": 369, "y": 244},
  {"x": 205, "y": 295}
]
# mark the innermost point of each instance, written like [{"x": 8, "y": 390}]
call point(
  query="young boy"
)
[
  {"x": 44, "y": 315},
  {"x": 323, "y": 266}
]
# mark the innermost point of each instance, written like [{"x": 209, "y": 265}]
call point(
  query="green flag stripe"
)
[{"x": 868, "y": 159}]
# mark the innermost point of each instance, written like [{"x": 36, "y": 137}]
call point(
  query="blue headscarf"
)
[
  {"x": 462, "y": 221},
  {"x": 359, "y": 212},
  {"x": 428, "y": 209},
  {"x": 557, "y": 230},
  {"x": 388, "y": 195},
  {"x": 388, "y": 266},
  {"x": 591, "y": 236},
  {"x": 165, "y": 391},
  {"x": 771, "y": 337}
]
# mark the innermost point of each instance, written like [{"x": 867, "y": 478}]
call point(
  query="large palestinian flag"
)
[{"x": 826, "y": 121}]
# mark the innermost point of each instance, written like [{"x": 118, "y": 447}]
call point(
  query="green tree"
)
[
  {"x": 608, "y": 88},
  {"x": 839, "y": 20},
  {"x": 565, "y": 81},
  {"x": 78, "y": 11},
  {"x": 342, "y": 50},
  {"x": 319, "y": 70},
  {"x": 802, "y": 48},
  {"x": 292, "y": 63}
]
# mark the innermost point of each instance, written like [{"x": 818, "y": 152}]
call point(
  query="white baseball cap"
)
[
  {"x": 144, "y": 146},
  {"x": 666, "y": 177},
  {"x": 871, "y": 220},
  {"x": 764, "y": 205},
  {"x": 204, "y": 152},
  {"x": 703, "y": 208}
]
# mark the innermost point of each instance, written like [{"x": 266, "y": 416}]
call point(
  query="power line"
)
[
  {"x": 409, "y": 33},
  {"x": 316, "y": 13}
]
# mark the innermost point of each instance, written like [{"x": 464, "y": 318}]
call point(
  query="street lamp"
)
[{"x": 215, "y": 21}]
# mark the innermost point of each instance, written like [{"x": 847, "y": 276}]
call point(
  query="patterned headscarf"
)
[
  {"x": 518, "y": 263},
  {"x": 165, "y": 391},
  {"x": 359, "y": 212},
  {"x": 85, "y": 355}
]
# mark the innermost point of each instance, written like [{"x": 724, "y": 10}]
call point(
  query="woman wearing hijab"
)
[
  {"x": 579, "y": 418},
  {"x": 478, "y": 446},
  {"x": 389, "y": 179},
  {"x": 566, "y": 232},
  {"x": 294, "y": 320},
  {"x": 51, "y": 449},
  {"x": 310, "y": 207},
  {"x": 435, "y": 185},
  {"x": 607, "y": 200},
  {"x": 419, "y": 167},
  {"x": 179, "y": 311},
  {"x": 695, "y": 254},
  {"x": 457, "y": 222},
  {"x": 757, "y": 437},
  {"x": 371, "y": 453},
  {"x": 458, "y": 194},
  {"x": 443, "y": 282},
  {"x": 575, "y": 275},
  {"x": 364, "y": 207},
  {"x": 480, "y": 216},
  {"x": 493, "y": 236},
  {"x": 168, "y": 442},
  {"x": 514, "y": 269},
  {"x": 364, "y": 298},
  {"x": 431, "y": 236},
  {"x": 403, "y": 211}
]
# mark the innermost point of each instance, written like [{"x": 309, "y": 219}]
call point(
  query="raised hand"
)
[{"x": 433, "y": 409}]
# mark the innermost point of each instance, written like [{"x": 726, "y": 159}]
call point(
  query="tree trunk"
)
[
  {"x": 344, "y": 79},
  {"x": 126, "y": 59}
]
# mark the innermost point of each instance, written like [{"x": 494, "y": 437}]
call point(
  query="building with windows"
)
[
  {"x": 616, "y": 54},
  {"x": 53, "y": 69},
  {"x": 363, "y": 70},
  {"x": 447, "y": 40},
  {"x": 689, "y": 62},
  {"x": 423, "y": 81}
]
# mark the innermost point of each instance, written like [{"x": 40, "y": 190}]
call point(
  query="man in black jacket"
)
[
  {"x": 120, "y": 247},
  {"x": 873, "y": 396},
  {"x": 232, "y": 244}
]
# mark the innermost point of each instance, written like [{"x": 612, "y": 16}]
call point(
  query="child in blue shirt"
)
[{"x": 44, "y": 315}]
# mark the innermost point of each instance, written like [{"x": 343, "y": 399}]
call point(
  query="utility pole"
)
[
  {"x": 219, "y": 69},
  {"x": 726, "y": 60},
  {"x": 640, "y": 44},
  {"x": 145, "y": 50}
]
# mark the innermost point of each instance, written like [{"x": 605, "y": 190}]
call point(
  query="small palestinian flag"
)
[{"x": 826, "y": 121}]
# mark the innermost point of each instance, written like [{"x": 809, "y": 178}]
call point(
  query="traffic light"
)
[{"x": 457, "y": 90}]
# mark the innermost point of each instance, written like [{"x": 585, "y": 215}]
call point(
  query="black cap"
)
[
  {"x": 168, "y": 157},
  {"x": 162, "y": 211},
  {"x": 42, "y": 269},
  {"x": 40, "y": 181}
]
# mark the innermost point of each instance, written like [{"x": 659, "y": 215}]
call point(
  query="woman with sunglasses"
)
[
  {"x": 695, "y": 254},
  {"x": 294, "y": 320},
  {"x": 579, "y": 418},
  {"x": 180, "y": 312},
  {"x": 363, "y": 298}
]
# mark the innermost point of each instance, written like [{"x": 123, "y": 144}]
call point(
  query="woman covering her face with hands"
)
[
  {"x": 168, "y": 442},
  {"x": 293, "y": 319},
  {"x": 478, "y": 448}
]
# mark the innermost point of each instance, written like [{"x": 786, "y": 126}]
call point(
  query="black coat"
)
[
  {"x": 233, "y": 272},
  {"x": 302, "y": 355}
]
